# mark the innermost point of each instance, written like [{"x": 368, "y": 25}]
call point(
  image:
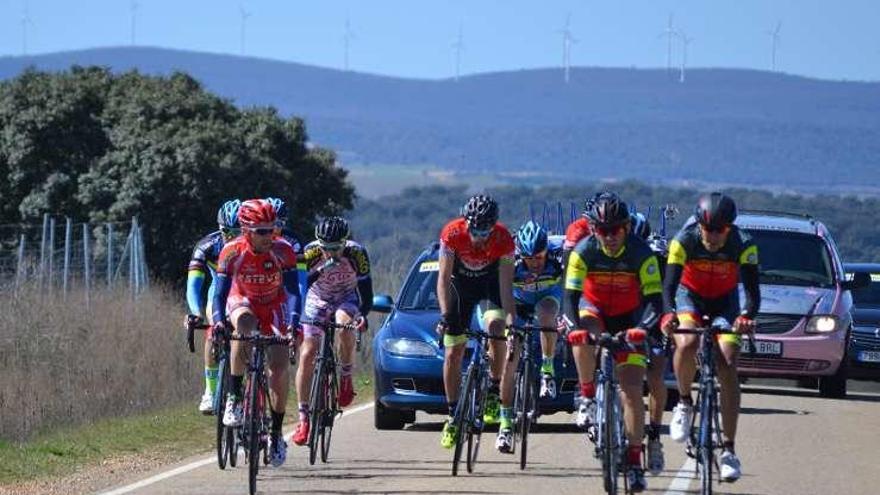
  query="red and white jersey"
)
[
  {"x": 456, "y": 241},
  {"x": 257, "y": 276},
  {"x": 577, "y": 230}
]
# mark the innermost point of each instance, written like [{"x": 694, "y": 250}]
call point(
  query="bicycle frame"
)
[
  {"x": 611, "y": 440},
  {"x": 471, "y": 401}
]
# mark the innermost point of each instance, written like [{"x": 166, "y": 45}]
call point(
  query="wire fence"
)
[{"x": 59, "y": 254}]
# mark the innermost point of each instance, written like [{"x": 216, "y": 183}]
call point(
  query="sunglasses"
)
[
  {"x": 263, "y": 231},
  {"x": 332, "y": 246},
  {"x": 606, "y": 231},
  {"x": 481, "y": 233},
  {"x": 716, "y": 230},
  {"x": 536, "y": 257}
]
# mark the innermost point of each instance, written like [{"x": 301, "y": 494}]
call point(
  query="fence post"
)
[
  {"x": 109, "y": 255},
  {"x": 68, "y": 232},
  {"x": 51, "y": 248},
  {"x": 142, "y": 256},
  {"x": 135, "y": 255},
  {"x": 43, "y": 237},
  {"x": 20, "y": 267},
  {"x": 87, "y": 265},
  {"x": 122, "y": 258}
]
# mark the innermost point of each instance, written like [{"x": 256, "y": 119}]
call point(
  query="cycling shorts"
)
[
  {"x": 691, "y": 308},
  {"x": 321, "y": 311},
  {"x": 614, "y": 325},
  {"x": 271, "y": 318},
  {"x": 465, "y": 294}
]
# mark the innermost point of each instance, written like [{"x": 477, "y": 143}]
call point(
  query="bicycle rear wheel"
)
[
  {"x": 253, "y": 422},
  {"x": 461, "y": 419},
  {"x": 330, "y": 398},
  {"x": 525, "y": 421},
  {"x": 316, "y": 411},
  {"x": 222, "y": 437}
]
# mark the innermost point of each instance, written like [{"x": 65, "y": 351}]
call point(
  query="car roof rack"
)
[{"x": 789, "y": 214}]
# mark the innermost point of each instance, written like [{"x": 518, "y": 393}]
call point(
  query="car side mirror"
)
[
  {"x": 859, "y": 280},
  {"x": 383, "y": 303}
]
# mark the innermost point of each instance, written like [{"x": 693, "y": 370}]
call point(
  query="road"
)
[{"x": 791, "y": 442}]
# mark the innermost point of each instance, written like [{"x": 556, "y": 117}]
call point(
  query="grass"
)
[{"x": 175, "y": 431}]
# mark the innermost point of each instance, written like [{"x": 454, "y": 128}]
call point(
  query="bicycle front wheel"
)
[
  {"x": 610, "y": 445},
  {"x": 330, "y": 398},
  {"x": 316, "y": 411},
  {"x": 523, "y": 415},
  {"x": 222, "y": 437},
  {"x": 475, "y": 429},
  {"x": 253, "y": 421},
  {"x": 461, "y": 419},
  {"x": 706, "y": 455}
]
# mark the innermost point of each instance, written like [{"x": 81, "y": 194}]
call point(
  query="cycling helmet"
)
[
  {"x": 715, "y": 210},
  {"x": 608, "y": 210},
  {"x": 481, "y": 212},
  {"x": 227, "y": 215},
  {"x": 640, "y": 225},
  {"x": 588, "y": 204},
  {"x": 256, "y": 212},
  {"x": 531, "y": 239},
  {"x": 280, "y": 208},
  {"x": 332, "y": 229}
]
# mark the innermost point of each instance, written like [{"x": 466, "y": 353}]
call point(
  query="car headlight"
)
[
  {"x": 822, "y": 324},
  {"x": 408, "y": 347}
]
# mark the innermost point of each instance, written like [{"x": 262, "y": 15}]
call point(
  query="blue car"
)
[
  {"x": 408, "y": 363},
  {"x": 864, "y": 342}
]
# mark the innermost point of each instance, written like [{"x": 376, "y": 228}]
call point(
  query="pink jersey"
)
[{"x": 257, "y": 276}]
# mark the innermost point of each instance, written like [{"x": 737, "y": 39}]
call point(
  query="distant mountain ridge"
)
[{"x": 722, "y": 125}]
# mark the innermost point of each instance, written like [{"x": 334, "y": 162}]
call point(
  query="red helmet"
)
[{"x": 254, "y": 212}]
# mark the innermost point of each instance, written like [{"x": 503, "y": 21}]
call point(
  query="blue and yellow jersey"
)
[
  {"x": 202, "y": 262},
  {"x": 529, "y": 288}
]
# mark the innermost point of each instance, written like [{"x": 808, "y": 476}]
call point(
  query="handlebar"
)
[
  {"x": 191, "y": 324},
  {"x": 715, "y": 330},
  {"x": 332, "y": 325}
]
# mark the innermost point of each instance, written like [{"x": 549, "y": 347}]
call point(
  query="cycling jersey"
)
[
  {"x": 203, "y": 260},
  {"x": 529, "y": 288},
  {"x": 257, "y": 280},
  {"x": 475, "y": 260},
  {"x": 613, "y": 284},
  {"x": 292, "y": 239},
  {"x": 712, "y": 276},
  {"x": 334, "y": 282}
]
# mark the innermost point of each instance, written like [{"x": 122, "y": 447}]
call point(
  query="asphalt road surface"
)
[{"x": 790, "y": 442}]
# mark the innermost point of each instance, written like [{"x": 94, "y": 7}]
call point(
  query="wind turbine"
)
[
  {"x": 670, "y": 33},
  {"x": 134, "y": 8},
  {"x": 567, "y": 41},
  {"x": 25, "y": 22},
  {"x": 685, "y": 41},
  {"x": 346, "y": 38},
  {"x": 775, "y": 36},
  {"x": 244, "y": 17},
  {"x": 458, "y": 46}
]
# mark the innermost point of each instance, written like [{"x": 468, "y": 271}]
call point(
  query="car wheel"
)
[
  {"x": 388, "y": 419},
  {"x": 834, "y": 386}
]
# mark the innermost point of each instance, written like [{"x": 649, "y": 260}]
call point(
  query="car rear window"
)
[
  {"x": 868, "y": 296},
  {"x": 791, "y": 258}
]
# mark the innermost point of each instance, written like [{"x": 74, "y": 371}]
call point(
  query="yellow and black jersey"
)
[
  {"x": 614, "y": 283},
  {"x": 712, "y": 275}
]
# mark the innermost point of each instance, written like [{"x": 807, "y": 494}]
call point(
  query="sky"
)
[{"x": 416, "y": 39}]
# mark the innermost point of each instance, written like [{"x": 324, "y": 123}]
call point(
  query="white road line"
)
[
  {"x": 197, "y": 464},
  {"x": 682, "y": 479}
]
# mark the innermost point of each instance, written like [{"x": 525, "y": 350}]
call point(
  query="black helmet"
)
[
  {"x": 331, "y": 229},
  {"x": 588, "y": 204},
  {"x": 715, "y": 210},
  {"x": 641, "y": 227},
  {"x": 608, "y": 210},
  {"x": 481, "y": 212}
]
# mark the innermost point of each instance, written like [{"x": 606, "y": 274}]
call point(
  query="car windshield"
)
[
  {"x": 420, "y": 292},
  {"x": 789, "y": 258},
  {"x": 868, "y": 296}
]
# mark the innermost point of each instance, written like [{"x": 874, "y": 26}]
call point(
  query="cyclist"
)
[
  {"x": 476, "y": 264},
  {"x": 656, "y": 386},
  {"x": 341, "y": 289},
  {"x": 285, "y": 232},
  {"x": 612, "y": 283},
  {"x": 577, "y": 230},
  {"x": 257, "y": 288},
  {"x": 537, "y": 288},
  {"x": 202, "y": 262},
  {"x": 708, "y": 257}
]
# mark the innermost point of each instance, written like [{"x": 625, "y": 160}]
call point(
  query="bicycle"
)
[
  {"x": 324, "y": 390},
  {"x": 254, "y": 433},
  {"x": 468, "y": 419},
  {"x": 225, "y": 441},
  {"x": 705, "y": 436},
  {"x": 525, "y": 404},
  {"x": 610, "y": 433}
]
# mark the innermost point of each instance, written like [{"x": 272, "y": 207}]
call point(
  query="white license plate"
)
[
  {"x": 763, "y": 347},
  {"x": 869, "y": 356}
]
